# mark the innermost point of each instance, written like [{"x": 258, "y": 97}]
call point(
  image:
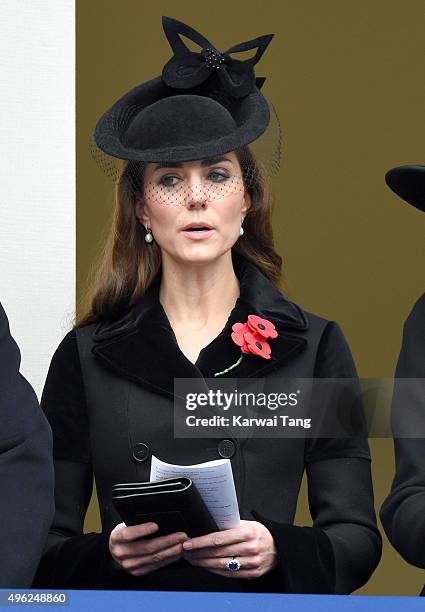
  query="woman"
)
[
  {"x": 403, "y": 512},
  {"x": 165, "y": 302}
]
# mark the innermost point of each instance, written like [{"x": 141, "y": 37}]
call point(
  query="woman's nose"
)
[{"x": 196, "y": 195}]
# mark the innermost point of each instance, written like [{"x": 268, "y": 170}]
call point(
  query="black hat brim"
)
[
  {"x": 408, "y": 182},
  {"x": 251, "y": 116}
]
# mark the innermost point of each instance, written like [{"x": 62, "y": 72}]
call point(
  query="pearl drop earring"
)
[
  {"x": 148, "y": 236},
  {"x": 241, "y": 232}
]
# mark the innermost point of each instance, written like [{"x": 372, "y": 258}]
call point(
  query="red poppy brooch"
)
[{"x": 252, "y": 337}]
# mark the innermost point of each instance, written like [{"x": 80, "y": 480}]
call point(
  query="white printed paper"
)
[{"x": 214, "y": 481}]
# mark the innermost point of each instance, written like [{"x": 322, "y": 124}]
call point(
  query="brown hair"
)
[{"x": 127, "y": 265}]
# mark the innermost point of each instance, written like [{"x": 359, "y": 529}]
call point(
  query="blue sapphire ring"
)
[{"x": 233, "y": 565}]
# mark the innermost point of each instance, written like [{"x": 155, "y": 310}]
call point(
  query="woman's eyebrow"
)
[
  {"x": 210, "y": 161},
  {"x": 170, "y": 164}
]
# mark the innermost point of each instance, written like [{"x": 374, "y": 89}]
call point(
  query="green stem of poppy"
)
[{"x": 234, "y": 365}]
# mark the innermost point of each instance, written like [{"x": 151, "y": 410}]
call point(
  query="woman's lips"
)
[{"x": 198, "y": 234}]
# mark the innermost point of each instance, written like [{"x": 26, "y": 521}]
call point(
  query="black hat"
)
[
  {"x": 408, "y": 182},
  {"x": 204, "y": 104}
]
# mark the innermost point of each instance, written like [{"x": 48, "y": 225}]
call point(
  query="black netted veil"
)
[{"x": 259, "y": 158}]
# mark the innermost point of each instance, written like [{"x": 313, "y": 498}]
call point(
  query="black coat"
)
[
  {"x": 403, "y": 512},
  {"x": 109, "y": 398},
  {"x": 26, "y": 470}
]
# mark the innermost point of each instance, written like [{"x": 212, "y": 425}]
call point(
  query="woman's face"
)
[{"x": 208, "y": 193}]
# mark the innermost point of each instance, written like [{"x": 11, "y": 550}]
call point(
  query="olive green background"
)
[{"x": 347, "y": 80}]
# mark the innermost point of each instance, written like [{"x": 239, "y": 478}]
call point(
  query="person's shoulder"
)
[
  {"x": 324, "y": 326},
  {"x": 69, "y": 343},
  {"x": 414, "y": 325},
  {"x": 66, "y": 357},
  {"x": 416, "y": 318},
  {"x": 69, "y": 338},
  {"x": 420, "y": 303},
  {"x": 3, "y": 318},
  {"x": 20, "y": 414},
  {"x": 316, "y": 320},
  {"x": 327, "y": 338},
  {"x": 9, "y": 351},
  {"x": 325, "y": 331},
  {"x": 295, "y": 313},
  {"x": 66, "y": 346},
  {"x": 333, "y": 357},
  {"x": 410, "y": 361}
]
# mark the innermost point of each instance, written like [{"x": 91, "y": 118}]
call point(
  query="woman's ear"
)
[
  {"x": 246, "y": 204},
  {"x": 141, "y": 213}
]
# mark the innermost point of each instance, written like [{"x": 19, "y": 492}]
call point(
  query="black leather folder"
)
[{"x": 174, "y": 504}]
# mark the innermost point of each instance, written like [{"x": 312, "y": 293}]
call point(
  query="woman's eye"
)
[
  {"x": 169, "y": 180},
  {"x": 218, "y": 177}
]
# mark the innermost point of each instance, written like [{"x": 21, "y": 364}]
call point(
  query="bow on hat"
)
[{"x": 187, "y": 69}]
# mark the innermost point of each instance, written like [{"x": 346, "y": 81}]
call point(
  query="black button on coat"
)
[
  {"x": 226, "y": 449},
  {"x": 141, "y": 451},
  {"x": 110, "y": 386}
]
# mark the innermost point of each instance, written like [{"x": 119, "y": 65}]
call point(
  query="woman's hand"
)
[
  {"x": 251, "y": 544},
  {"x": 140, "y": 557}
]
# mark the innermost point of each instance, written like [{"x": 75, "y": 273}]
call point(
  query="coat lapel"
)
[{"x": 142, "y": 346}]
